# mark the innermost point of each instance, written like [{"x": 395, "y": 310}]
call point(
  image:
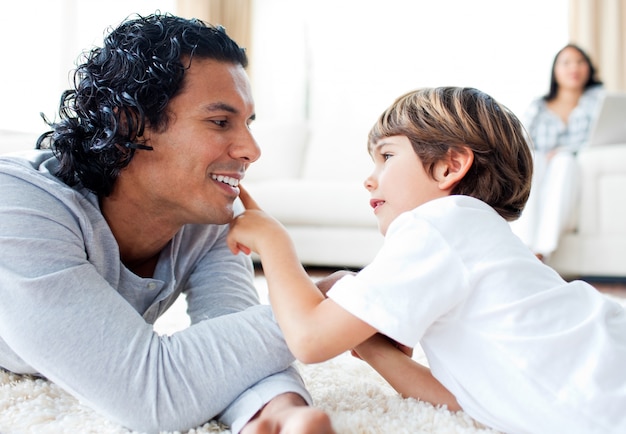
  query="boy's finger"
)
[{"x": 246, "y": 199}]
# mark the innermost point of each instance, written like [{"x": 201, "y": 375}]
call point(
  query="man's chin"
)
[
  {"x": 218, "y": 217},
  {"x": 224, "y": 219},
  {"x": 230, "y": 213}
]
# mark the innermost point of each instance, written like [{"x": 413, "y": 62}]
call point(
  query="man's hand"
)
[{"x": 289, "y": 414}]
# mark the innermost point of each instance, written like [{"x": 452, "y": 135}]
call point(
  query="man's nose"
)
[{"x": 246, "y": 147}]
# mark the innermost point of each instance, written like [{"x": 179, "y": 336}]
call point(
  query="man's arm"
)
[
  {"x": 222, "y": 284},
  {"x": 62, "y": 315}
]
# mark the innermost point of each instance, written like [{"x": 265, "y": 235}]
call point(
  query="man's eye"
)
[
  {"x": 386, "y": 156},
  {"x": 220, "y": 123}
]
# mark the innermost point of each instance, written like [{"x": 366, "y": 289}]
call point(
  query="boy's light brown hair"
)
[{"x": 438, "y": 119}]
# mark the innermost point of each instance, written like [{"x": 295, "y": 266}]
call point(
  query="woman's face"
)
[{"x": 571, "y": 69}]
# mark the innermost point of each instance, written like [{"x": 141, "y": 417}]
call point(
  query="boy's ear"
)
[{"x": 450, "y": 170}]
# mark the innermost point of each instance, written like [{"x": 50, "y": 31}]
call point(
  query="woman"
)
[{"x": 559, "y": 124}]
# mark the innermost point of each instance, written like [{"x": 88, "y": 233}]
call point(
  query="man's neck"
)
[{"x": 140, "y": 236}]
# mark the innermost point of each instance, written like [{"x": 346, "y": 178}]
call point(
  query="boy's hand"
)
[{"x": 252, "y": 228}]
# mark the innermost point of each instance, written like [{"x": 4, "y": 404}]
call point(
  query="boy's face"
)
[{"x": 399, "y": 182}]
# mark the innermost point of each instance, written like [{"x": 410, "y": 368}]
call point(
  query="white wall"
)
[
  {"x": 359, "y": 55},
  {"x": 375, "y": 49},
  {"x": 41, "y": 40}
]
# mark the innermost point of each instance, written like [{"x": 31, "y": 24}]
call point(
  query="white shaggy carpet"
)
[
  {"x": 357, "y": 400},
  {"x": 355, "y": 397}
]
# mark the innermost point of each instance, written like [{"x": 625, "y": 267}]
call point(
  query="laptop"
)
[{"x": 609, "y": 127}]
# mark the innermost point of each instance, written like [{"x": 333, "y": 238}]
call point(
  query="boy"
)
[{"x": 517, "y": 347}]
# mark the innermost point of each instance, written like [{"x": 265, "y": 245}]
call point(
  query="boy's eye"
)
[{"x": 386, "y": 156}]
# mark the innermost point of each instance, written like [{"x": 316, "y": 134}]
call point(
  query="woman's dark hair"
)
[
  {"x": 124, "y": 85},
  {"x": 592, "y": 80}
]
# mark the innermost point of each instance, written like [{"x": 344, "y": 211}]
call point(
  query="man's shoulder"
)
[
  {"x": 31, "y": 175},
  {"x": 29, "y": 171},
  {"x": 27, "y": 162}
]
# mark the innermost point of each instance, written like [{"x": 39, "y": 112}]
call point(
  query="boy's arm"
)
[
  {"x": 315, "y": 328},
  {"x": 324, "y": 284},
  {"x": 405, "y": 375}
]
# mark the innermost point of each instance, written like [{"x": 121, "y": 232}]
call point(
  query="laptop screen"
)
[{"x": 609, "y": 127}]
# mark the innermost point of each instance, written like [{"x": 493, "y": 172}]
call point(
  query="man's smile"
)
[{"x": 233, "y": 182}]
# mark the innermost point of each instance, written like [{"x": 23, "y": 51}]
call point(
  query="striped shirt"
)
[{"x": 548, "y": 131}]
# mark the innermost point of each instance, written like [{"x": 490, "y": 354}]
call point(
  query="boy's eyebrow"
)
[{"x": 382, "y": 142}]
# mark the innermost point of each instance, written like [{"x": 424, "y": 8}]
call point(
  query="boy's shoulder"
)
[
  {"x": 449, "y": 214},
  {"x": 453, "y": 204}
]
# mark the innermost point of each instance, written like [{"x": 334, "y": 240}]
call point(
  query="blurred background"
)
[{"x": 333, "y": 63}]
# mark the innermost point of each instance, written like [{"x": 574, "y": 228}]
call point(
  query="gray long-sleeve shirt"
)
[{"x": 72, "y": 312}]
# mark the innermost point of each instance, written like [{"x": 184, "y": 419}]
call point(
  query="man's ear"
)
[{"x": 451, "y": 169}]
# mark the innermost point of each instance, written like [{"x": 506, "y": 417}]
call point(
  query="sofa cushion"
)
[
  {"x": 282, "y": 150},
  {"x": 603, "y": 180},
  {"x": 335, "y": 152}
]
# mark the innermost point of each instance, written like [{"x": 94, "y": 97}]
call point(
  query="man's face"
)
[{"x": 192, "y": 173}]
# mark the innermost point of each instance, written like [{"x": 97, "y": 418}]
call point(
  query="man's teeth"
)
[{"x": 233, "y": 182}]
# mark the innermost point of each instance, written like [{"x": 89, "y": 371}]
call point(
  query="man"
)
[{"x": 129, "y": 209}]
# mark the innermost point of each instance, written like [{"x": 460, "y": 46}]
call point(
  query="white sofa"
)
[
  {"x": 325, "y": 207},
  {"x": 597, "y": 245},
  {"x": 317, "y": 192}
]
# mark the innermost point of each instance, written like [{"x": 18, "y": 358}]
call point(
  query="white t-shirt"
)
[{"x": 521, "y": 349}]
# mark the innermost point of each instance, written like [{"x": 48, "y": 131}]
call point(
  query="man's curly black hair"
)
[{"x": 121, "y": 86}]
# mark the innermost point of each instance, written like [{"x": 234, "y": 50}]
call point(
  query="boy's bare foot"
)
[{"x": 289, "y": 414}]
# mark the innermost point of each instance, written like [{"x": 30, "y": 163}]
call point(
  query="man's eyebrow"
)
[{"x": 222, "y": 106}]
